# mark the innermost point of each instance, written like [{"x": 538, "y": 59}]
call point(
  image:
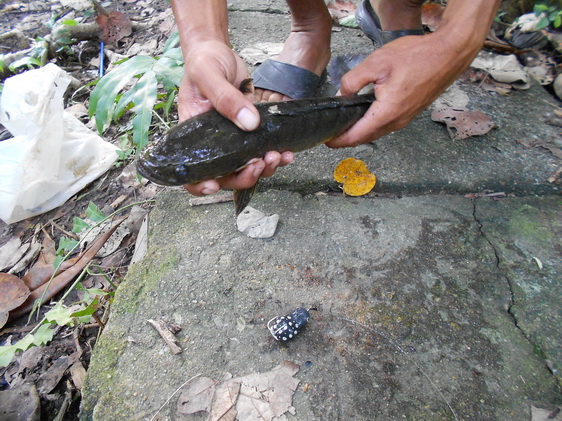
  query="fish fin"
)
[
  {"x": 247, "y": 86},
  {"x": 242, "y": 198}
]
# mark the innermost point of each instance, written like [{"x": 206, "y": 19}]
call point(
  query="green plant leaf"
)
[
  {"x": 169, "y": 102},
  {"x": 69, "y": 22},
  {"x": 172, "y": 42},
  {"x": 558, "y": 21},
  {"x": 144, "y": 100},
  {"x": 124, "y": 102},
  {"x": 88, "y": 311},
  {"x": 102, "y": 98},
  {"x": 539, "y": 8},
  {"x": 7, "y": 353},
  {"x": 94, "y": 213},
  {"x": 169, "y": 71},
  {"x": 79, "y": 225},
  {"x": 60, "y": 315},
  {"x": 543, "y": 23},
  {"x": 174, "y": 54},
  {"x": 66, "y": 244},
  {"x": 44, "y": 334}
]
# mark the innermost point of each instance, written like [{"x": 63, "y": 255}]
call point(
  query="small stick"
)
[
  {"x": 167, "y": 335},
  {"x": 207, "y": 200}
]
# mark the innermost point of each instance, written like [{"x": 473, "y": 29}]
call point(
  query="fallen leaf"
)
[
  {"x": 13, "y": 292},
  {"x": 50, "y": 378},
  {"x": 503, "y": 69},
  {"x": 60, "y": 281},
  {"x": 462, "y": 122},
  {"x": 43, "y": 268},
  {"x": 223, "y": 407},
  {"x": 431, "y": 15},
  {"x": 340, "y": 9},
  {"x": 78, "y": 374},
  {"x": 11, "y": 253},
  {"x": 197, "y": 396},
  {"x": 258, "y": 396},
  {"x": 114, "y": 25},
  {"x": 29, "y": 256},
  {"x": 356, "y": 178},
  {"x": 542, "y": 414}
]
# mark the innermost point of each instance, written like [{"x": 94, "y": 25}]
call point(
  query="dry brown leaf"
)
[
  {"x": 13, "y": 292},
  {"x": 114, "y": 25},
  {"x": 11, "y": 253},
  {"x": 197, "y": 396},
  {"x": 356, "y": 178},
  {"x": 340, "y": 8},
  {"x": 258, "y": 396},
  {"x": 431, "y": 15},
  {"x": 462, "y": 122},
  {"x": 43, "y": 268}
]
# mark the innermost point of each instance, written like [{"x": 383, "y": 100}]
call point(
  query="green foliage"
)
[
  {"x": 42, "y": 335},
  {"x": 139, "y": 78},
  {"x": 68, "y": 245},
  {"x": 550, "y": 15}
]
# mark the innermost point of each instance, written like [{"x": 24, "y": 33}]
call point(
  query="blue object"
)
[{"x": 102, "y": 56}]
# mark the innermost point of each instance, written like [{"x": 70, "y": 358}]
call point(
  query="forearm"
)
[
  {"x": 465, "y": 24},
  {"x": 200, "y": 20}
]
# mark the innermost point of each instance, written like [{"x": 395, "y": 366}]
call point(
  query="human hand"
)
[
  {"x": 212, "y": 75},
  {"x": 408, "y": 74}
]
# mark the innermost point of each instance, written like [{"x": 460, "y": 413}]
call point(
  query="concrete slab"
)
[{"x": 413, "y": 318}]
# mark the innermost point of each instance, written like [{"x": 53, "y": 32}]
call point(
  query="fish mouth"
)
[{"x": 150, "y": 171}]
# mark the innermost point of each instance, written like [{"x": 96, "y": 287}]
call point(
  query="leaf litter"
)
[{"x": 258, "y": 396}]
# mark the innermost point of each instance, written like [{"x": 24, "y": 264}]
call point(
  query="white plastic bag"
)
[{"x": 52, "y": 155}]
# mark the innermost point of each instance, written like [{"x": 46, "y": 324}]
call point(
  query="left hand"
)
[{"x": 409, "y": 73}]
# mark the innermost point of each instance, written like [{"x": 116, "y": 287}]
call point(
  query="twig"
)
[
  {"x": 167, "y": 335},
  {"x": 207, "y": 200},
  {"x": 171, "y": 396}
]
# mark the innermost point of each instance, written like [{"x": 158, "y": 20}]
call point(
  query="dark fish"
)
[{"x": 209, "y": 145}]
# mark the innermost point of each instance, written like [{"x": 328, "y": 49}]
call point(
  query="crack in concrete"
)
[{"x": 509, "y": 282}]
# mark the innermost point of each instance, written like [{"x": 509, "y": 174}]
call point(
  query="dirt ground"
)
[
  {"x": 152, "y": 25},
  {"x": 116, "y": 189}
]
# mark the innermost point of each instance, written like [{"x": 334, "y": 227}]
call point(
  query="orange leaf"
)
[{"x": 356, "y": 178}]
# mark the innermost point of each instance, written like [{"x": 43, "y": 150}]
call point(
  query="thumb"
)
[
  {"x": 232, "y": 104},
  {"x": 368, "y": 71}
]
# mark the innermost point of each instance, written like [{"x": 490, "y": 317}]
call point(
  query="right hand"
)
[{"x": 212, "y": 75}]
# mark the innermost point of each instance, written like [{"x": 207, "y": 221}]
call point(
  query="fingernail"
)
[
  {"x": 258, "y": 168},
  {"x": 247, "y": 120}
]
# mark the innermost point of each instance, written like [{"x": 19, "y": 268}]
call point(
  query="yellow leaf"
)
[{"x": 356, "y": 178}]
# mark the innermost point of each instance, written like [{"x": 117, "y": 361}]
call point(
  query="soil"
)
[{"x": 31, "y": 19}]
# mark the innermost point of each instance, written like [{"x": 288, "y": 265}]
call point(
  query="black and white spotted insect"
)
[{"x": 286, "y": 327}]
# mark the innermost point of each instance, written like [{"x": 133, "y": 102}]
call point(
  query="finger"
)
[
  {"x": 368, "y": 71},
  {"x": 243, "y": 179},
  {"x": 203, "y": 188},
  {"x": 367, "y": 129},
  {"x": 230, "y": 102},
  {"x": 287, "y": 157},
  {"x": 272, "y": 160}
]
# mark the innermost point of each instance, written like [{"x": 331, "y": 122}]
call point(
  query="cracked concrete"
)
[{"x": 431, "y": 305}]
